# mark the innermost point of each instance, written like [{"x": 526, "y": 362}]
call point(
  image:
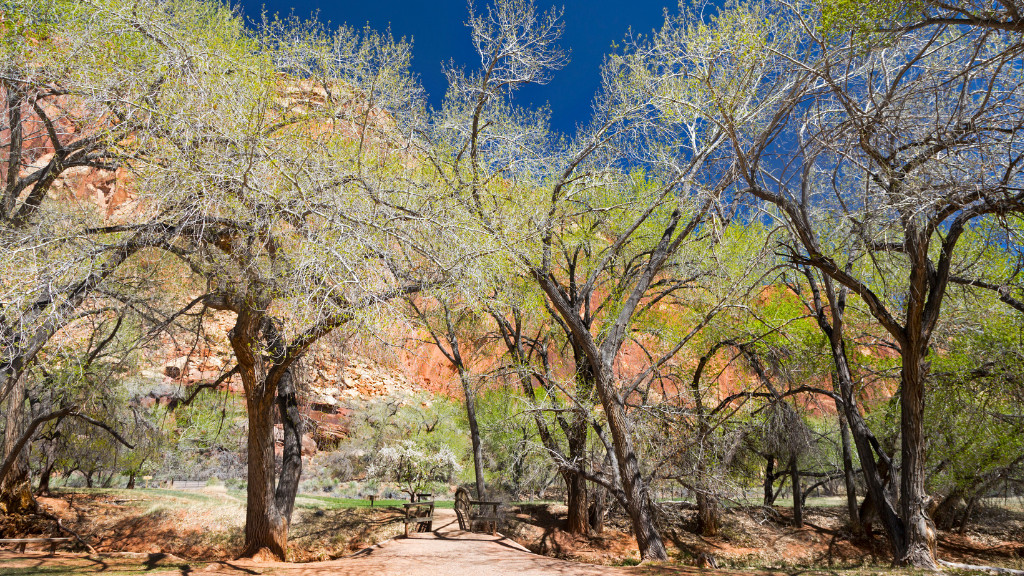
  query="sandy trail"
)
[{"x": 447, "y": 551}]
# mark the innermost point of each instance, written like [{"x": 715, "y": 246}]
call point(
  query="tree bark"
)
[
  {"x": 920, "y": 532},
  {"x": 15, "y": 487},
  {"x": 848, "y": 473},
  {"x": 596, "y": 510},
  {"x": 638, "y": 495},
  {"x": 798, "y": 505},
  {"x": 474, "y": 433},
  {"x": 291, "y": 459},
  {"x": 45, "y": 473},
  {"x": 576, "y": 437},
  {"x": 578, "y": 521},
  {"x": 266, "y": 529},
  {"x": 769, "y": 481}
]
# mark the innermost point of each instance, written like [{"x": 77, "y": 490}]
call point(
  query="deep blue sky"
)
[{"x": 439, "y": 33}]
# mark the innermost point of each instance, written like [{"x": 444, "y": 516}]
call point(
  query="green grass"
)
[{"x": 331, "y": 503}]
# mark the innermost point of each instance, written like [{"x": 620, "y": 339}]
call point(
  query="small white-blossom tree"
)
[{"x": 415, "y": 469}]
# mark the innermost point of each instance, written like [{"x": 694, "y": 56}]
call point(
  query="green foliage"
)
[{"x": 863, "y": 18}]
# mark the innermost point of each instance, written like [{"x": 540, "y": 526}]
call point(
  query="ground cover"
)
[{"x": 154, "y": 532}]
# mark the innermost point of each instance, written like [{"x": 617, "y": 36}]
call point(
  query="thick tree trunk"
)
[
  {"x": 474, "y": 434},
  {"x": 640, "y": 504},
  {"x": 576, "y": 489},
  {"x": 708, "y": 514},
  {"x": 798, "y": 505},
  {"x": 265, "y": 527},
  {"x": 576, "y": 436},
  {"x": 920, "y": 532},
  {"x": 45, "y": 473},
  {"x": 945, "y": 513},
  {"x": 15, "y": 487},
  {"x": 291, "y": 459}
]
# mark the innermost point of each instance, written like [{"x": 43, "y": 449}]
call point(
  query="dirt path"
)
[{"x": 447, "y": 551}]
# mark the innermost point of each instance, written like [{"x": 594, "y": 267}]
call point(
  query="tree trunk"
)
[
  {"x": 474, "y": 433},
  {"x": 769, "y": 481},
  {"x": 596, "y": 511},
  {"x": 15, "y": 487},
  {"x": 945, "y": 513},
  {"x": 131, "y": 481},
  {"x": 863, "y": 440},
  {"x": 44, "y": 479},
  {"x": 708, "y": 514},
  {"x": 798, "y": 505},
  {"x": 291, "y": 459},
  {"x": 920, "y": 532},
  {"x": 576, "y": 490},
  {"x": 848, "y": 475},
  {"x": 266, "y": 528},
  {"x": 576, "y": 437},
  {"x": 640, "y": 505}
]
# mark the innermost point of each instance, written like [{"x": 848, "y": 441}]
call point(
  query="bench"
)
[
  {"x": 488, "y": 515},
  {"x": 19, "y": 543},
  {"x": 414, "y": 514}
]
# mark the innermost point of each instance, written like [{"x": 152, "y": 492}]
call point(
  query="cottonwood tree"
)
[
  {"x": 493, "y": 155},
  {"x": 302, "y": 201},
  {"x": 72, "y": 114},
  {"x": 897, "y": 152},
  {"x": 450, "y": 326}
]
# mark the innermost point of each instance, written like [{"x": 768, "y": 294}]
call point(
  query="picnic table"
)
[{"x": 421, "y": 514}]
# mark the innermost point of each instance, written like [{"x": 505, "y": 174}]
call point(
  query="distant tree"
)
[{"x": 413, "y": 468}]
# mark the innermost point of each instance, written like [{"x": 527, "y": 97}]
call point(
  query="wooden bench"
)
[
  {"x": 414, "y": 514},
  {"x": 19, "y": 543},
  {"x": 488, "y": 513},
  {"x": 487, "y": 516}
]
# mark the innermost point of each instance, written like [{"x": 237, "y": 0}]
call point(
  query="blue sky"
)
[{"x": 439, "y": 34}]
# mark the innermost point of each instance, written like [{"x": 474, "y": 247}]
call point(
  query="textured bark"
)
[
  {"x": 15, "y": 487},
  {"x": 637, "y": 493},
  {"x": 266, "y": 529},
  {"x": 578, "y": 521},
  {"x": 920, "y": 532},
  {"x": 291, "y": 459},
  {"x": 576, "y": 437},
  {"x": 708, "y": 514},
  {"x": 946, "y": 511},
  {"x": 596, "y": 510},
  {"x": 45, "y": 474}
]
